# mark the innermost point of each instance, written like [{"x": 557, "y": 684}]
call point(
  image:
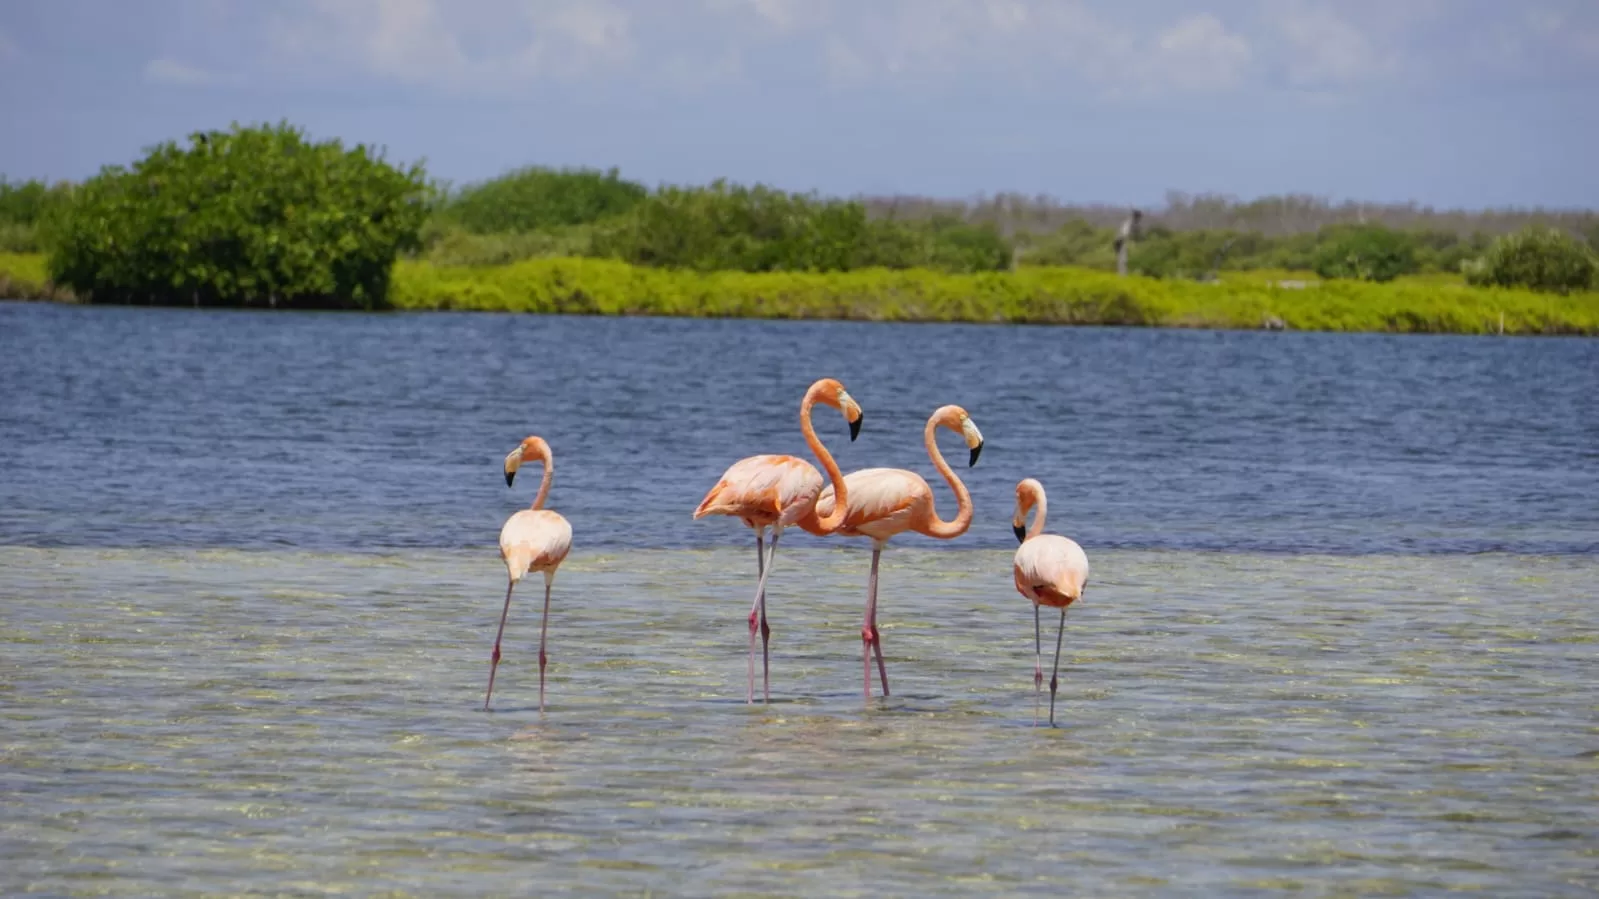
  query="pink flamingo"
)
[
  {"x": 776, "y": 491},
  {"x": 534, "y": 539},
  {"x": 882, "y": 502},
  {"x": 1050, "y": 570}
]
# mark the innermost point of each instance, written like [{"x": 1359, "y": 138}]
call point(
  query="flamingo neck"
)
[
  {"x": 835, "y": 519},
  {"x": 1040, "y": 507},
  {"x": 544, "y": 483},
  {"x": 938, "y": 527}
]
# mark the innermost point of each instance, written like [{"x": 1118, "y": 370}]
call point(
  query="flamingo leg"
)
[
  {"x": 1038, "y": 664},
  {"x": 871, "y": 639},
  {"x": 494, "y": 660},
  {"x": 544, "y": 626},
  {"x": 1054, "y": 674},
  {"x": 758, "y": 614},
  {"x": 766, "y": 629}
]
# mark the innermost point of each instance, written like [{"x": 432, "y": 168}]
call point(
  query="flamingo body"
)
[
  {"x": 776, "y": 491},
  {"x": 881, "y": 502},
  {"x": 1050, "y": 570},
  {"x": 534, "y": 540},
  {"x": 764, "y": 490}
]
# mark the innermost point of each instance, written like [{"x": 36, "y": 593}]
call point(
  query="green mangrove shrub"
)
[
  {"x": 539, "y": 199},
  {"x": 250, "y": 216},
  {"x": 1365, "y": 253},
  {"x": 1545, "y": 259}
]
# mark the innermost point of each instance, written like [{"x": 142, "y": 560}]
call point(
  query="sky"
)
[{"x": 1447, "y": 103}]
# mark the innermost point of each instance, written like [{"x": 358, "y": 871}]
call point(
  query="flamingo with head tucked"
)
[
  {"x": 882, "y": 502},
  {"x": 1050, "y": 570},
  {"x": 534, "y": 539},
  {"x": 776, "y": 491}
]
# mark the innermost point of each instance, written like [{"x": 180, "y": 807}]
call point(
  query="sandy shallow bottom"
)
[{"x": 284, "y": 722}]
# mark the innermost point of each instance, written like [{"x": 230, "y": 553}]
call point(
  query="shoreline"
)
[{"x": 1029, "y": 295}]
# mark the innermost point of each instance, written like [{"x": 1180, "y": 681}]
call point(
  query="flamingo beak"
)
[
  {"x": 1021, "y": 533},
  {"x": 976, "y": 451},
  {"x": 513, "y": 461},
  {"x": 855, "y": 426}
]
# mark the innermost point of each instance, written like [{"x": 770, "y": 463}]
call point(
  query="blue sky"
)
[{"x": 1459, "y": 103}]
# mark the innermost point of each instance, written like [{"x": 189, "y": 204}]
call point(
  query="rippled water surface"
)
[{"x": 1340, "y": 639}]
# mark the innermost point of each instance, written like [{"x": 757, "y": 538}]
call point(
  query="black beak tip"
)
[
  {"x": 855, "y": 427},
  {"x": 976, "y": 451},
  {"x": 1021, "y": 533},
  {"x": 509, "y": 476}
]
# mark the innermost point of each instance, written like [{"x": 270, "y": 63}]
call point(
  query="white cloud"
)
[
  {"x": 1035, "y": 40},
  {"x": 491, "y": 43},
  {"x": 780, "y": 15},
  {"x": 1200, "y": 53},
  {"x": 170, "y": 71},
  {"x": 1323, "y": 49}
]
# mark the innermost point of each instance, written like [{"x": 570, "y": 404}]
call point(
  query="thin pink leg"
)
[
  {"x": 871, "y": 638},
  {"x": 758, "y": 616},
  {"x": 1038, "y": 664},
  {"x": 494, "y": 660},
  {"x": 544, "y": 627},
  {"x": 1054, "y": 675}
]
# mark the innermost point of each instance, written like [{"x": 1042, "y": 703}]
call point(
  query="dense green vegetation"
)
[
  {"x": 1537, "y": 258},
  {"x": 260, "y": 215},
  {"x": 249, "y": 216},
  {"x": 1036, "y": 294}
]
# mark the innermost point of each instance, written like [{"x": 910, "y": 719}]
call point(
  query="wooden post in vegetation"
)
[{"x": 1127, "y": 234}]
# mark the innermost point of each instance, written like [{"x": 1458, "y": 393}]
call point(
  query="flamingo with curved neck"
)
[
  {"x": 534, "y": 539},
  {"x": 776, "y": 491},
  {"x": 1050, "y": 570},
  {"x": 882, "y": 502}
]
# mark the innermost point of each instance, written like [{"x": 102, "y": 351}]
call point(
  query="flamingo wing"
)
[
  {"x": 881, "y": 501},
  {"x": 764, "y": 489},
  {"x": 534, "y": 540},
  {"x": 1051, "y": 569}
]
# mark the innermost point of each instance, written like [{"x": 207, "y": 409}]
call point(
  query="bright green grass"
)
[{"x": 1045, "y": 295}]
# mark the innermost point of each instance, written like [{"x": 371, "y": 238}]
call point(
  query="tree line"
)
[{"x": 264, "y": 215}]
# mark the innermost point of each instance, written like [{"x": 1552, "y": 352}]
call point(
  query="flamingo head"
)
[
  {"x": 829, "y": 392},
  {"x": 956, "y": 419},
  {"x": 531, "y": 449},
  {"x": 1028, "y": 493}
]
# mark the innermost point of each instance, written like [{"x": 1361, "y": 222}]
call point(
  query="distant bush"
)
[
  {"x": 535, "y": 199},
  {"x": 738, "y": 228},
  {"x": 447, "y": 244},
  {"x": 22, "y": 205},
  {"x": 26, "y": 202},
  {"x": 1365, "y": 254},
  {"x": 1545, "y": 259},
  {"x": 254, "y": 215},
  {"x": 1035, "y": 294}
]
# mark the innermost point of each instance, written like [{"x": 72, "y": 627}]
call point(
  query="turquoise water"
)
[
  {"x": 1340, "y": 637},
  {"x": 223, "y": 721}
]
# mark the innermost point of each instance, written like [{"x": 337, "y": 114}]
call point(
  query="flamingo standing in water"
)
[
  {"x": 534, "y": 539},
  {"x": 882, "y": 502},
  {"x": 776, "y": 491},
  {"x": 1050, "y": 570}
]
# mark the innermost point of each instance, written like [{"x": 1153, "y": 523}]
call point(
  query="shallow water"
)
[
  {"x": 223, "y": 720},
  {"x": 171, "y": 427},
  {"x": 1340, "y": 637}
]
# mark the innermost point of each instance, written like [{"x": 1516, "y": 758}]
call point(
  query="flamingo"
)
[
  {"x": 776, "y": 491},
  {"x": 534, "y": 539},
  {"x": 1050, "y": 570},
  {"x": 882, "y": 502}
]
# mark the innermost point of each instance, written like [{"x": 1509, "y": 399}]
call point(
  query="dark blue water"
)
[{"x": 148, "y": 427}]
